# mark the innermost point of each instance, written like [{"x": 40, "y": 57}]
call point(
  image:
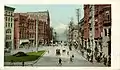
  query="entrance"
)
[{"x": 8, "y": 44}]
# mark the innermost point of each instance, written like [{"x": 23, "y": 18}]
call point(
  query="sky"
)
[{"x": 60, "y": 14}]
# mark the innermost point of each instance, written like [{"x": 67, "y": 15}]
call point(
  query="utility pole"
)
[
  {"x": 93, "y": 23},
  {"x": 78, "y": 19},
  {"x": 37, "y": 33}
]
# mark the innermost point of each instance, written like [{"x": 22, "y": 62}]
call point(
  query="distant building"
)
[
  {"x": 9, "y": 26},
  {"x": 81, "y": 32}
]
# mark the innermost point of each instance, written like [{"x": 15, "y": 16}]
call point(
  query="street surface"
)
[{"x": 51, "y": 59}]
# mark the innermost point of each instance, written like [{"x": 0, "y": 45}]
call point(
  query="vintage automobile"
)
[{"x": 58, "y": 52}]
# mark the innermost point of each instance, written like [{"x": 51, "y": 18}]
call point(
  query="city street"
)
[
  {"x": 77, "y": 27},
  {"x": 51, "y": 59}
]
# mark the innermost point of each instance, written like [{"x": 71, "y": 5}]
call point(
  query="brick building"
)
[
  {"x": 25, "y": 28},
  {"x": 86, "y": 25},
  {"x": 43, "y": 26},
  {"x": 97, "y": 28},
  {"x": 21, "y": 35},
  {"x": 9, "y": 27}
]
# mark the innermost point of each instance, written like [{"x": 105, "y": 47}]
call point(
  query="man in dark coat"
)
[{"x": 60, "y": 61}]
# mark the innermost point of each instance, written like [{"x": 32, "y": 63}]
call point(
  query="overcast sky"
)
[{"x": 60, "y": 15}]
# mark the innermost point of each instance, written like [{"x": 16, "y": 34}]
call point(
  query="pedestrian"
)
[
  {"x": 68, "y": 53},
  {"x": 105, "y": 60},
  {"x": 109, "y": 60},
  {"x": 23, "y": 63},
  {"x": 72, "y": 56},
  {"x": 60, "y": 61},
  {"x": 71, "y": 59}
]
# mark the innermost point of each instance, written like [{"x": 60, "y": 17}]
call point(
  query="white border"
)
[{"x": 115, "y": 32}]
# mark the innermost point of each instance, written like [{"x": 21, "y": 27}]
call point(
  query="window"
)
[
  {"x": 105, "y": 32},
  {"x": 90, "y": 29},
  {"x": 6, "y": 18},
  {"x": 9, "y": 13},
  {"x": 11, "y": 19},
  {"x": 109, "y": 32},
  {"x": 8, "y": 31},
  {"x": 8, "y": 37},
  {"x": 5, "y": 12},
  {"x": 11, "y": 24},
  {"x": 8, "y": 24}
]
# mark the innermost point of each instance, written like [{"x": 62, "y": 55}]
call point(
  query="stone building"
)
[{"x": 9, "y": 27}]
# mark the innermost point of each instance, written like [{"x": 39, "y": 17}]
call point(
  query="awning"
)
[{"x": 24, "y": 41}]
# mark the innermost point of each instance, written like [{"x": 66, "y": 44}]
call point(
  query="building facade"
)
[
  {"x": 9, "y": 27},
  {"x": 86, "y": 25},
  {"x": 21, "y": 35},
  {"x": 97, "y": 28},
  {"x": 43, "y": 26},
  {"x": 25, "y": 29}
]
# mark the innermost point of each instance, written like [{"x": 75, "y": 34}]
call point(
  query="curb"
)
[{"x": 38, "y": 58}]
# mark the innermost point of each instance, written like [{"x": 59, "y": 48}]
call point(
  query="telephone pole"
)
[
  {"x": 78, "y": 19},
  {"x": 37, "y": 33}
]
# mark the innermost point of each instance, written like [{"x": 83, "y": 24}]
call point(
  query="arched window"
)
[{"x": 8, "y": 31}]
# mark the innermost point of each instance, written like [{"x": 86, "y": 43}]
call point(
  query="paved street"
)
[{"x": 50, "y": 59}]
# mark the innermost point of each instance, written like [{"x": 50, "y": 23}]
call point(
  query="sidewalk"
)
[{"x": 94, "y": 61}]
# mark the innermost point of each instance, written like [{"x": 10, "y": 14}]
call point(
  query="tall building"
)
[
  {"x": 43, "y": 26},
  {"x": 97, "y": 28},
  {"x": 25, "y": 29},
  {"x": 9, "y": 27},
  {"x": 21, "y": 30},
  {"x": 86, "y": 25},
  {"x": 103, "y": 28}
]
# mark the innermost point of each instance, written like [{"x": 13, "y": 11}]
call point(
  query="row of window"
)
[
  {"x": 9, "y": 19},
  {"x": 8, "y": 24},
  {"x": 23, "y": 36},
  {"x": 9, "y": 13},
  {"x": 31, "y": 27},
  {"x": 31, "y": 36},
  {"x": 8, "y": 37}
]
